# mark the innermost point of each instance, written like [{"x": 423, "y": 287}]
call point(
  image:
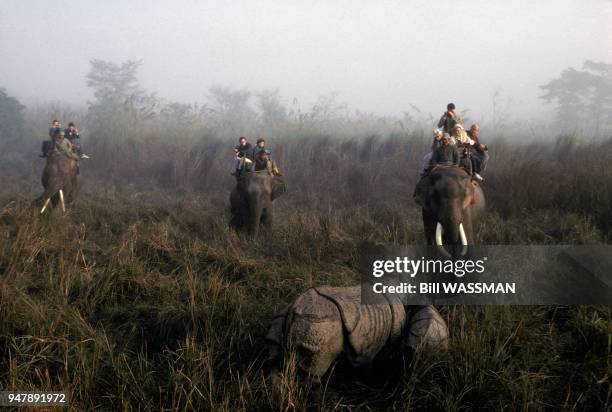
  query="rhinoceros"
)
[{"x": 325, "y": 323}]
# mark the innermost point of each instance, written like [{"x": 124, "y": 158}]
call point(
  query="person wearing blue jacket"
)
[
  {"x": 47, "y": 145},
  {"x": 243, "y": 153}
]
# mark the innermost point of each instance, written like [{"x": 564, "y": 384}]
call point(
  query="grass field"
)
[{"x": 142, "y": 298}]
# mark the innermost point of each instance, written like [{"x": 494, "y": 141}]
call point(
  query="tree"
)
[
  {"x": 327, "y": 108},
  {"x": 11, "y": 116},
  {"x": 179, "y": 112},
  {"x": 271, "y": 110},
  {"x": 583, "y": 97},
  {"x": 117, "y": 92},
  {"x": 231, "y": 107}
]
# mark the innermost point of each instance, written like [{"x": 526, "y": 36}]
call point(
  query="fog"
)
[{"x": 380, "y": 57}]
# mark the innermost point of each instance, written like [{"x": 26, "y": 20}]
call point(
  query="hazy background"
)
[{"x": 379, "y": 56}]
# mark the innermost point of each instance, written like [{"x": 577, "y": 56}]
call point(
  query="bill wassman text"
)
[{"x": 452, "y": 288}]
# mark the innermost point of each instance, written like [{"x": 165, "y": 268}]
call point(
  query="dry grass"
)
[{"x": 141, "y": 298}]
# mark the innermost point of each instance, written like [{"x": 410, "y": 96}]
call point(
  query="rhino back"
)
[{"x": 368, "y": 327}]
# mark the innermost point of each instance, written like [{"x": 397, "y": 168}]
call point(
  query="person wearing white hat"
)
[{"x": 461, "y": 136}]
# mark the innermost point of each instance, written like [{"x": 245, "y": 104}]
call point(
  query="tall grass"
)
[{"x": 141, "y": 298}]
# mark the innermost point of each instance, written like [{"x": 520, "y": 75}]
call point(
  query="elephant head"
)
[
  {"x": 251, "y": 200},
  {"x": 59, "y": 180},
  {"x": 451, "y": 204},
  {"x": 259, "y": 198}
]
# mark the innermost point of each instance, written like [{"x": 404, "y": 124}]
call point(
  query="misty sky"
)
[{"x": 381, "y": 56}]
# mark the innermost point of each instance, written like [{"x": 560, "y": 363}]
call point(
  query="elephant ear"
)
[
  {"x": 468, "y": 195},
  {"x": 421, "y": 191},
  {"x": 279, "y": 187}
]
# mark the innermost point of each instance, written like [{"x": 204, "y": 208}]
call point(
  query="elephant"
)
[
  {"x": 251, "y": 201},
  {"x": 59, "y": 180},
  {"x": 326, "y": 323},
  {"x": 451, "y": 203}
]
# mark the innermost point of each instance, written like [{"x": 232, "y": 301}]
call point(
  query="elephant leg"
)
[
  {"x": 266, "y": 218},
  {"x": 235, "y": 220},
  {"x": 236, "y": 217},
  {"x": 429, "y": 226},
  {"x": 243, "y": 216},
  {"x": 238, "y": 210},
  {"x": 70, "y": 196}
]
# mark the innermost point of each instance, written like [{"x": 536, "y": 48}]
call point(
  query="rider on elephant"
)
[
  {"x": 243, "y": 153},
  {"x": 55, "y": 128},
  {"x": 464, "y": 145},
  {"x": 63, "y": 146},
  {"x": 47, "y": 145},
  {"x": 72, "y": 134},
  {"x": 448, "y": 119},
  {"x": 261, "y": 147},
  {"x": 460, "y": 135},
  {"x": 480, "y": 152},
  {"x": 262, "y": 161},
  {"x": 437, "y": 141},
  {"x": 446, "y": 154}
]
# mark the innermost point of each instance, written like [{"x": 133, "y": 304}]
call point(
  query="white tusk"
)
[
  {"x": 439, "y": 234},
  {"x": 464, "y": 241},
  {"x": 62, "y": 200},
  {"x": 45, "y": 205}
]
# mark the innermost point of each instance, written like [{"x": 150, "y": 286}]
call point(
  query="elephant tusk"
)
[
  {"x": 61, "y": 193},
  {"x": 45, "y": 205},
  {"x": 439, "y": 234},
  {"x": 464, "y": 241},
  {"x": 439, "y": 240}
]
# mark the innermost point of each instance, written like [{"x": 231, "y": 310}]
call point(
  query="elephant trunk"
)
[{"x": 254, "y": 217}]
